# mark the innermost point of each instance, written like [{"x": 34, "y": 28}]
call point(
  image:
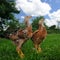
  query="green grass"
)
[{"x": 50, "y": 49}]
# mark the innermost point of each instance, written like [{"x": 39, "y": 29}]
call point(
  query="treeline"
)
[{"x": 53, "y": 31}]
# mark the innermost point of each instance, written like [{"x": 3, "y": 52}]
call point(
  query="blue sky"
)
[
  {"x": 55, "y": 4},
  {"x": 51, "y": 12}
]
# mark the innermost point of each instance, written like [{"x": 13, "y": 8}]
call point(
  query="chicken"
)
[
  {"x": 21, "y": 36},
  {"x": 28, "y": 30},
  {"x": 39, "y": 35}
]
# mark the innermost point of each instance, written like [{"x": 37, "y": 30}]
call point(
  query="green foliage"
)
[
  {"x": 7, "y": 8},
  {"x": 7, "y": 11},
  {"x": 52, "y": 27},
  {"x": 11, "y": 25},
  {"x": 22, "y": 25},
  {"x": 53, "y": 31},
  {"x": 50, "y": 49}
]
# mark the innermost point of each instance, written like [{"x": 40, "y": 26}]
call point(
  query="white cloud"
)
[
  {"x": 33, "y": 7},
  {"x": 22, "y": 17},
  {"x": 50, "y": 22},
  {"x": 54, "y": 17}
]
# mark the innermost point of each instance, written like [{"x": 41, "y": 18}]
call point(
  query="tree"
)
[
  {"x": 7, "y": 8},
  {"x": 52, "y": 27},
  {"x": 7, "y": 11}
]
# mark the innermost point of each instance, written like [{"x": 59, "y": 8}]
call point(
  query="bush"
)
[{"x": 56, "y": 31}]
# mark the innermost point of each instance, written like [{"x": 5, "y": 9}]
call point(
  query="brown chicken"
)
[
  {"x": 21, "y": 36},
  {"x": 28, "y": 30},
  {"x": 39, "y": 35}
]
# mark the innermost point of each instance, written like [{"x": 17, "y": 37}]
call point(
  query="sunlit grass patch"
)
[{"x": 50, "y": 49}]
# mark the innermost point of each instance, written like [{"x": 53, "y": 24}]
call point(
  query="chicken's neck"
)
[{"x": 41, "y": 26}]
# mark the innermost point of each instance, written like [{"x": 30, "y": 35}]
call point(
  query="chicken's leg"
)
[
  {"x": 20, "y": 53},
  {"x": 19, "y": 48},
  {"x": 38, "y": 49}
]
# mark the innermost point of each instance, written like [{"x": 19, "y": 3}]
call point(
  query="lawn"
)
[{"x": 50, "y": 49}]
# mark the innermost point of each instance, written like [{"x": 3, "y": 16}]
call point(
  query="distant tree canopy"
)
[{"x": 52, "y": 27}]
